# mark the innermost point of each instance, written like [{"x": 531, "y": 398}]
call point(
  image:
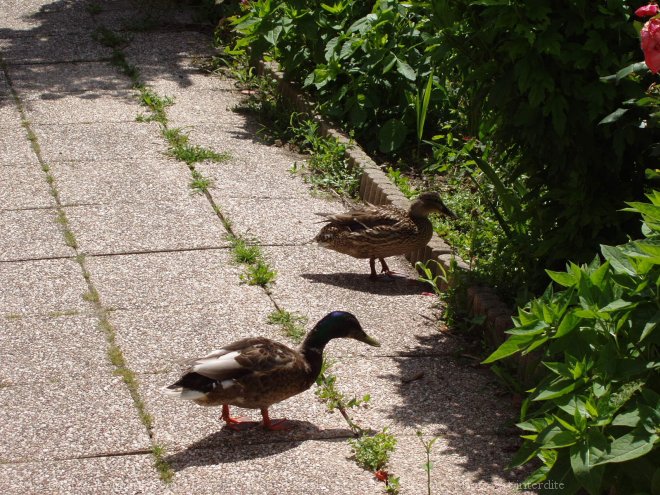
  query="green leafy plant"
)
[
  {"x": 199, "y": 183},
  {"x": 328, "y": 166},
  {"x": 244, "y": 252},
  {"x": 593, "y": 416},
  {"x": 428, "y": 446},
  {"x": 326, "y": 390},
  {"x": 292, "y": 324},
  {"x": 372, "y": 452},
  {"x": 260, "y": 274}
]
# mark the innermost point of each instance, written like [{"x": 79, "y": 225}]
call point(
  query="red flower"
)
[
  {"x": 381, "y": 474},
  {"x": 651, "y": 44},
  {"x": 647, "y": 10}
]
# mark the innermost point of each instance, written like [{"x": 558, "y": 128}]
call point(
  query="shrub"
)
[
  {"x": 593, "y": 417},
  {"x": 531, "y": 74}
]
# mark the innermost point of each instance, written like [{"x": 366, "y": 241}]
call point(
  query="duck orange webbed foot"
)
[
  {"x": 236, "y": 424},
  {"x": 274, "y": 424}
]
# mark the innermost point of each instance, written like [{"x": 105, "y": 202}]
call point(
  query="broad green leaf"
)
[
  {"x": 650, "y": 326},
  {"x": 560, "y": 369},
  {"x": 531, "y": 329},
  {"x": 631, "y": 418},
  {"x": 649, "y": 246},
  {"x": 391, "y": 135},
  {"x": 562, "y": 278},
  {"x": 567, "y": 325},
  {"x": 405, "y": 70},
  {"x": 556, "y": 389},
  {"x": 554, "y": 438},
  {"x": 630, "y": 69},
  {"x": 527, "y": 452},
  {"x": 388, "y": 63},
  {"x": 630, "y": 446},
  {"x": 614, "y": 116},
  {"x": 583, "y": 455},
  {"x": 337, "y": 8},
  {"x": 566, "y": 425},
  {"x": 617, "y": 305},
  {"x": 598, "y": 276},
  {"x": 513, "y": 344},
  {"x": 273, "y": 35},
  {"x": 619, "y": 261},
  {"x": 538, "y": 342}
]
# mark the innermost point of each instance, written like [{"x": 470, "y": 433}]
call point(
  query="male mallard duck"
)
[
  {"x": 257, "y": 372},
  {"x": 381, "y": 231}
]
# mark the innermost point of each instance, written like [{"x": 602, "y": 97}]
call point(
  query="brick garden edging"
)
[{"x": 377, "y": 188}]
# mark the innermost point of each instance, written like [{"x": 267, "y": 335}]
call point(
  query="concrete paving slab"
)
[
  {"x": 117, "y": 475},
  {"x": 176, "y": 78},
  {"x": 126, "y": 141},
  {"x": 296, "y": 468},
  {"x": 9, "y": 114},
  {"x": 150, "y": 47},
  {"x": 275, "y": 220},
  {"x": 84, "y": 414},
  {"x": 232, "y": 138},
  {"x": 5, "y": 94},
  {"x": 167, "y": 279},
  {"x": 52, "y": 48},
  {"x": 159, "y": 340},
  {"x": 30, "y": 234},
  {"x": 13, "y": 9},
  {"x": 187, "y": 223},
  {"x": 242, "y": 175},
  {"x": 15, "y": 150},
  {"x": 449, "y": 398},
  {"x": 59, "y": 345},
  {"x": 41, "y": 287},
  {"x": 144, "y": 17},
  {"x": 122, "y": 181},
  {"x": 83, "y": 108},
  {"x": 474, "y": 468},
  {"x": 196, "y": 105},
  {"x": 24, "y": 187},
  {"x": 27, "y": 19},
  {"x": 86, "y": 81}
]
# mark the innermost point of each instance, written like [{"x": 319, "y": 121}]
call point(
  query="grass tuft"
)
[
  {"x": 259, "y": 274},
  {"x": 91, "y": 296},
  {"x": 66, "y": 312},
  {"x": 109, "y": 38},
  {"x": 243, "y": 252},
  {"x": 292, "y": 324},
  {"x": 156, "y": 104},
  {"x": 175, "y": 136},
  {"x": 193, "y": 154},
  {"x": 94, "y": 8},
  {"x": 162, "y": 466},
  {"x": 199, "y": 183}
]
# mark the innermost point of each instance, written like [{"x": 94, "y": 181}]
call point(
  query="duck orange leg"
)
[
  {"x": 273, "y": 424},
  {"x": 386, "y": 269},
  {"x": 236, "y": 424}
]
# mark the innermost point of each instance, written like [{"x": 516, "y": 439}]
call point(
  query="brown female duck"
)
[
  {"x": 381, "y": 231},
  {"x": 257, "y": 372}
]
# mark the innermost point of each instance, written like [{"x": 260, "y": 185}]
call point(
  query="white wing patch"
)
[
  {"x": 215, "y": 363},
  {"x": 183, "y": 393},
  {"x": 227, "y": 383}
]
